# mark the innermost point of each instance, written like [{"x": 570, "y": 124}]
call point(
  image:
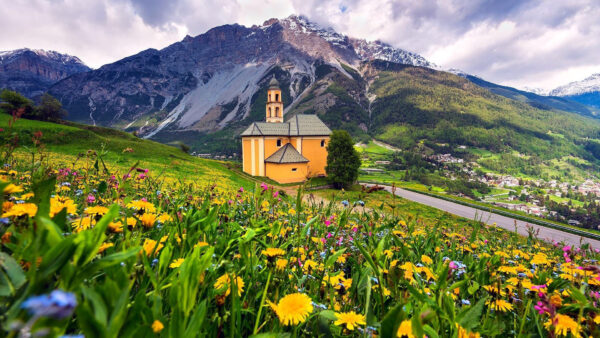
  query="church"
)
[{"x": 285, "y": 152}]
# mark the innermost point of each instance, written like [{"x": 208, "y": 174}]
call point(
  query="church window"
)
[
  {"x": 276, "y": 111},
  {"x": 294, "y": 169},
  {"x": 269, "y": 111},
  {"x": 279, "y": 143},
  {"x": 322, "y": 143},
  {"x": 276, "y": 97}
]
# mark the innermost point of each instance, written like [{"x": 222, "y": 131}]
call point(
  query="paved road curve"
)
[{"x": 507, "y": 223}]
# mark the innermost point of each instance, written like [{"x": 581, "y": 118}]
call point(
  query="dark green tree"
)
[
  {"x": 343, "y": 160},
  {"x": 49, "y": 109},
  {"x": 11, "y": 102}
]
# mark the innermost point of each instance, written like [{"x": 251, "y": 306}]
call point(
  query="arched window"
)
[
  {"x": 269, "y": 111},
  {"x": 276, "y": 97},
  {"x": 322, "y": 143},
  {"x": 279, "y": 142},
  {"x": 277, "y": 111}
]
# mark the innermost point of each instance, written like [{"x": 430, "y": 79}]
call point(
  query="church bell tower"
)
[{"x": 274, "y": 104}]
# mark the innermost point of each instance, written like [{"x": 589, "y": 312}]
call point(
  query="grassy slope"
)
[{"x": 64, "y": 142}]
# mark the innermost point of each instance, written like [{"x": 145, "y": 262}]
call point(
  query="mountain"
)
[
  {"x": 205, "y": 90},
  {"x": 586, "y": 91},
  {"x": 32, "y": 71},
  {"x": 538, "y": 100},
  {"x": 208, "y": 82}
]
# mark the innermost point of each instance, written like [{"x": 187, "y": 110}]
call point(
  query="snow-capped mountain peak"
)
[
  {"x": 587, "y": 85},
  {"x": 362, "y": 49},
  {"x": 535, "y": 90},
  {"x": 6, "y": 56}
]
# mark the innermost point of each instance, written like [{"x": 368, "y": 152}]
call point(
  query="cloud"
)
[{"x": 532, "y": 43}]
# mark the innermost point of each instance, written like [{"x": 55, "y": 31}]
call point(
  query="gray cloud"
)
[{"x": 539, "y": 43}]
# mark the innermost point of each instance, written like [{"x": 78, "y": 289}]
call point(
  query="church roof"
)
[
  {"x": 286, "y": 154},
  {"x": 298, "y": 125}
]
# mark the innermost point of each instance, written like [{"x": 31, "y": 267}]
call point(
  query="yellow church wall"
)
[
  {"x": 317, "y": 155},
  {"x": 246, "y": 155},
  {"x": 271, "y": 144},
  {"x": 283, "y": 173}
]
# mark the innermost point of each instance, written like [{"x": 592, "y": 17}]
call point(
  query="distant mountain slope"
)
[
  {"x": 414, "y": 103},
  {"x": 586, "y": 91},
  {"x": 32, "y": 71},
  {"x": 539, "y": 101},
  {"x": 205, "y": 83}
]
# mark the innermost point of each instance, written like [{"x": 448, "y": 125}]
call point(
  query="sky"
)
[{"x": 520, "y": 43}]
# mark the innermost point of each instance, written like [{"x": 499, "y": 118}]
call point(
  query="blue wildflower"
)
[
  {"x": 320, "y": 306},
  {"x": 58, "y": 304},
  {"x": 154, "y": 262},
  {"x": 465, "y": 302},
  {"x": 345, "y": 203},
  {"x": 4, "y": 220}
]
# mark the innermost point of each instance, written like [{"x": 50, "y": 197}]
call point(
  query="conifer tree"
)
[{"x": 343, "y": 160}]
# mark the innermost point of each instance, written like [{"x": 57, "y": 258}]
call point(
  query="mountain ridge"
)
[{"x": 32, "y": 71}]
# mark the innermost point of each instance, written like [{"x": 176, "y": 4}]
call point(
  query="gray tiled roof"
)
[
  {"x": 286, "y": 154},
  {"x": 308, "y": 125},
  {"x": 298, "y": 125}
]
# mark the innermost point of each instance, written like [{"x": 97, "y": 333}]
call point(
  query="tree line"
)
[{"x": 48, "y": 108}]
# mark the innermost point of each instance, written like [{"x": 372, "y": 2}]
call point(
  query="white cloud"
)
[{"x": 516, "y": 42}]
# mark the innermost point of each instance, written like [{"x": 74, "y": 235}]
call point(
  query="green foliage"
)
[
  {"x": 11, "y": 102},
  {"x": 342, "y": 159},
  {"x": 49, "y": 109}
]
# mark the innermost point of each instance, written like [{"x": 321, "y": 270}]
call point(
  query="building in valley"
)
[{"x": 286, "y": 152}]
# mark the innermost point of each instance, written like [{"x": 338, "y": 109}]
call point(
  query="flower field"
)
[{"x": 96, "y": 250}]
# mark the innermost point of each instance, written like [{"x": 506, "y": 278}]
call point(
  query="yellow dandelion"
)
[
  {"x": 57, "y": 204},
  {"x": 83, "y": 224},
  {"x": 293, "y": 309},
  {"x": 21, "y": 209},
  {"x": 426, "y": 260},
  {"x": 200, "y": 244},
  {"x": 141, "y": 205},
  {"x": 148, "y": 220},
  {"x": 540, "y": 259},
  {"x": 163, "y": 218},
  {"x": 350, "y": 319},
  {"x": 151, "y": 247},
  {"x": 500, "y": 305},
  {"x": 225, "y": 282},
  {"x": 280, "y": 264},
  {"x": 157, "y": 326},
  {"x": 26, "y": 196},
  {"x": 105, "y": 246},
  {"x": 116, "y": 227},
  {"x": 405, "y": 330},
  {"x": 563, "y": 324},
  {"x": 176, "y": 263},
  {"x": 463, "y": 333},
  {"x": 96, "y": 210},
  {"x": 131, "y": 222},
  {"x": 273, "y": 252},
  {"x": 12, "y": 189}
]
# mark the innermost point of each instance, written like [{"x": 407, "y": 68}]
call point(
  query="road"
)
[{"x": 507, "y": 223}]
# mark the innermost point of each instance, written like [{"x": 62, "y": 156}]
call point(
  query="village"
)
[{"x": 571, "y": 202}]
